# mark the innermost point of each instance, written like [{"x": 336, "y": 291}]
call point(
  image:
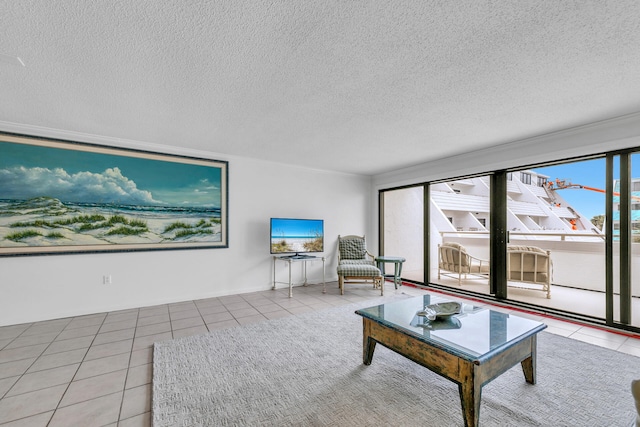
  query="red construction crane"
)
[{"x": 561, "y": 184}]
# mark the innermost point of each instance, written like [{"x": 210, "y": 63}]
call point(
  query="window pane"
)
[
  {"x": 635, "y": 239},
  {"x": 459, "y": 221},
  {"x": 404, "y": 230},
  {"x": 542, "y": 181},
  {"x": 561, "y": 221}
]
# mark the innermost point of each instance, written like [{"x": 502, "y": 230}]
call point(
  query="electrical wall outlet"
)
[{"x": 106, "y": 280}]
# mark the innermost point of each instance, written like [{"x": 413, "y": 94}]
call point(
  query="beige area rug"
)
[{"x": 307, "y": 371}]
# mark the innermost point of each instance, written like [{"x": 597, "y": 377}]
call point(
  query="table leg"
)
[
  {"x": 529, "y": 364},
  {"x": 368, "y": 344},
  {"x": 470, "y": 395},
  {"x": 274, "y": 274},
  {"x": 290, "y": 282},
  {"x": 324, "y": 282},
  {"x": 304, "y": 266},
  {"x": 396, "y": 273}
]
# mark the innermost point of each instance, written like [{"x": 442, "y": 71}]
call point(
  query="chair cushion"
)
[
  {"x": 358, "y": 270},
  {"x": 454, "y": 245},
  {"x": 352, "y": 248},
  {"x": 524, "y": 248},
  {"x": 357, "y": 261}
]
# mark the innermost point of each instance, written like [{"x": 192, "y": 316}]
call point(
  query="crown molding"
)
[{"x": 593, "y": 138}]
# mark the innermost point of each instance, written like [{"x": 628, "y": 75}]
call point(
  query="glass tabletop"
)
[{"x": 473, "y": 334}]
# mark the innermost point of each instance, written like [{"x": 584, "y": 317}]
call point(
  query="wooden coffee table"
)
[{"x": 470, "y": 349}]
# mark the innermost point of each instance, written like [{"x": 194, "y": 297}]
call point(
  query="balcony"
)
[{"x": 578, "y": 284}]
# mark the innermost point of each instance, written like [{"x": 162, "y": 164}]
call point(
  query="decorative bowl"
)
[
  {"x": 442, "y": 309},
  {"x": 440, "y": 323}
]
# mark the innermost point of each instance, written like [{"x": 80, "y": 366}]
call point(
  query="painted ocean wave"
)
[
  {"x": 46, "y": 221},
  {"x": 136, "y": 209}
]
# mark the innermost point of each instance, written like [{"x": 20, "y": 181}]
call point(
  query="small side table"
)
[
  {"x": 292, "y": 259},
  {"x": 397, "y": 271}
]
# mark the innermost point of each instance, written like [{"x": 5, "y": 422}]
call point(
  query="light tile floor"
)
[{"x": 96, "y": 370}]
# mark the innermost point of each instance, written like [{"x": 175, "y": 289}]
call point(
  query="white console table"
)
[{"x": 290, "y": 260}]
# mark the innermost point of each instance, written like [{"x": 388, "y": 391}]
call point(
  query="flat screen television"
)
[{"x": 296, "y": 236}]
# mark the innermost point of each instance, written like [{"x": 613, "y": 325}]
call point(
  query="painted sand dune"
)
[{"x": 46, "y": 221}]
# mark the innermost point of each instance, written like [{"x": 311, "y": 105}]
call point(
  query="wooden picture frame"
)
[{"x": 60, "y": 197}]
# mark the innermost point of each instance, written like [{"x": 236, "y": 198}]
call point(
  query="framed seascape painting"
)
[{"x": 66, "y": 197}]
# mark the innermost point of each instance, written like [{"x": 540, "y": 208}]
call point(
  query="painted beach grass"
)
[{"x": 48, "y": 221}]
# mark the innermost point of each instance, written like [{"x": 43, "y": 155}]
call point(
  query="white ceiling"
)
[{"x": 357, "y": 86}]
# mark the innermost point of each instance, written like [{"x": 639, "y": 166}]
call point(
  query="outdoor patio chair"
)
[
  {"x": 454, "y": 261},
  {"x": 531, "y": 265},
  {"x": 356, "y": 264}
]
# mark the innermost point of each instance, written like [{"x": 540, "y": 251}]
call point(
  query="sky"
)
[
  {"x": 295, "y": 227},
  {"x": 28, "y": 171},
  {"x": 592, "y": 174}
]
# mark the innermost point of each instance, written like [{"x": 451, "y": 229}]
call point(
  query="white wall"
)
[
  {"x": 37, "y": 288},
  {"x": 619, "y": 133}
]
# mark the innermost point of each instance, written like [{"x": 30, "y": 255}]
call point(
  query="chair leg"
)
[
  {"x": 548, "y": 289},
  {"x": 376, "y": 281}
]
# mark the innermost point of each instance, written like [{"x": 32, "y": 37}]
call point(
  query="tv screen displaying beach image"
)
[{"x": 296, "y": 235}]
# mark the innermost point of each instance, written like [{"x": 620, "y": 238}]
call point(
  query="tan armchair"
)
[
  {"x": 531, "y": 265},
  {"x": 356, "y": 264},
  {"x": 454, "y": 261}
]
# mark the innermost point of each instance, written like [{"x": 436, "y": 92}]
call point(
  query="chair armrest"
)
[{"x": 479, "y": 260}]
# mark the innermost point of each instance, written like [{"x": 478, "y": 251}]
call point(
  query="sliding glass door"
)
[
  {"x": 558, "y": 211},
  {"x": 402, "y": 229},
  {"x": 459, "y": 215},
  {"x": 563, "y": 236},
  {"x": 626, "y": 241}
]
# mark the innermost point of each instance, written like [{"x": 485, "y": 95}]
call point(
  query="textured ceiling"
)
[{"x": 357, "y": 86}]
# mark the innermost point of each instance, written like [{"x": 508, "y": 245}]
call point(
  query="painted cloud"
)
[{"x": 109, "y": 186}]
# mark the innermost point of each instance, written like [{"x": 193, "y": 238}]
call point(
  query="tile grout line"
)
[
  {"x": 201, "y": 317},
  {"x": 76, "y": 373},
  {"x": 37, "y": 358},
  {"x": 124, "y": 386}
]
